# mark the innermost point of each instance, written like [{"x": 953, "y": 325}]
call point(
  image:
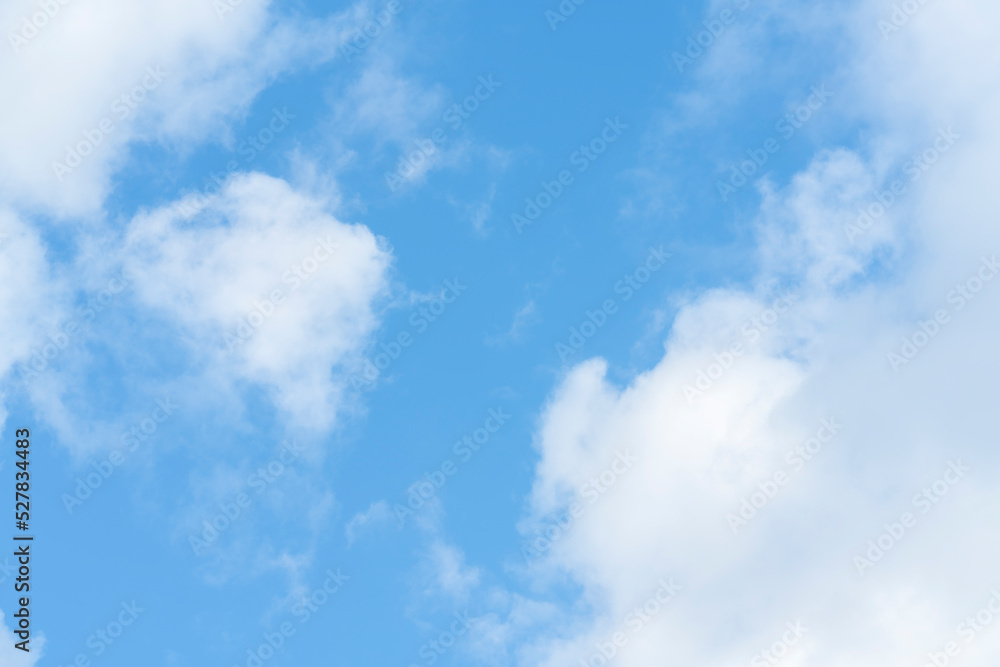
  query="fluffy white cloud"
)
[
  {"x": 903, "y": 429},
  {"x": 98, "y": 75},
  {"x": 267, "y": 285}
]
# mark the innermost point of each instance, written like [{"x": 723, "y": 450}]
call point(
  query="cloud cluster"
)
[
  {"x": 268, "y": 286},
  {"x": 804, "y": 446}
]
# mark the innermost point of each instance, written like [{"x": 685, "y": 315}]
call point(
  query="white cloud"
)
[
  {"x": 389, "y": 105},
  {"x": 513, "y": 618},
  {"x": 13, "y": 657},
  {"x": 399, "y": 113},
  {"x": 180, "y": 67},
  {"x": 377, "y": 514},
  {"x": 412, "y": 123},
  {"x": 525, "y": 316},
  {"x": 696, "y": 461},
  {"x": 824, "y": 357},
  {"x": 448, "y": 573},
  {"x": 32, "y": 299},
  {"x": 268, "y": 286}
]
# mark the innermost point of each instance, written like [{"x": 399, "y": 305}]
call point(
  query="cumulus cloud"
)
[
  {"x": 268, "y": 287},
  {"x": 787, "y": 472}
]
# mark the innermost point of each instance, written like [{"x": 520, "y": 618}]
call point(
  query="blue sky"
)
[{"x": 501, "y": 339}]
